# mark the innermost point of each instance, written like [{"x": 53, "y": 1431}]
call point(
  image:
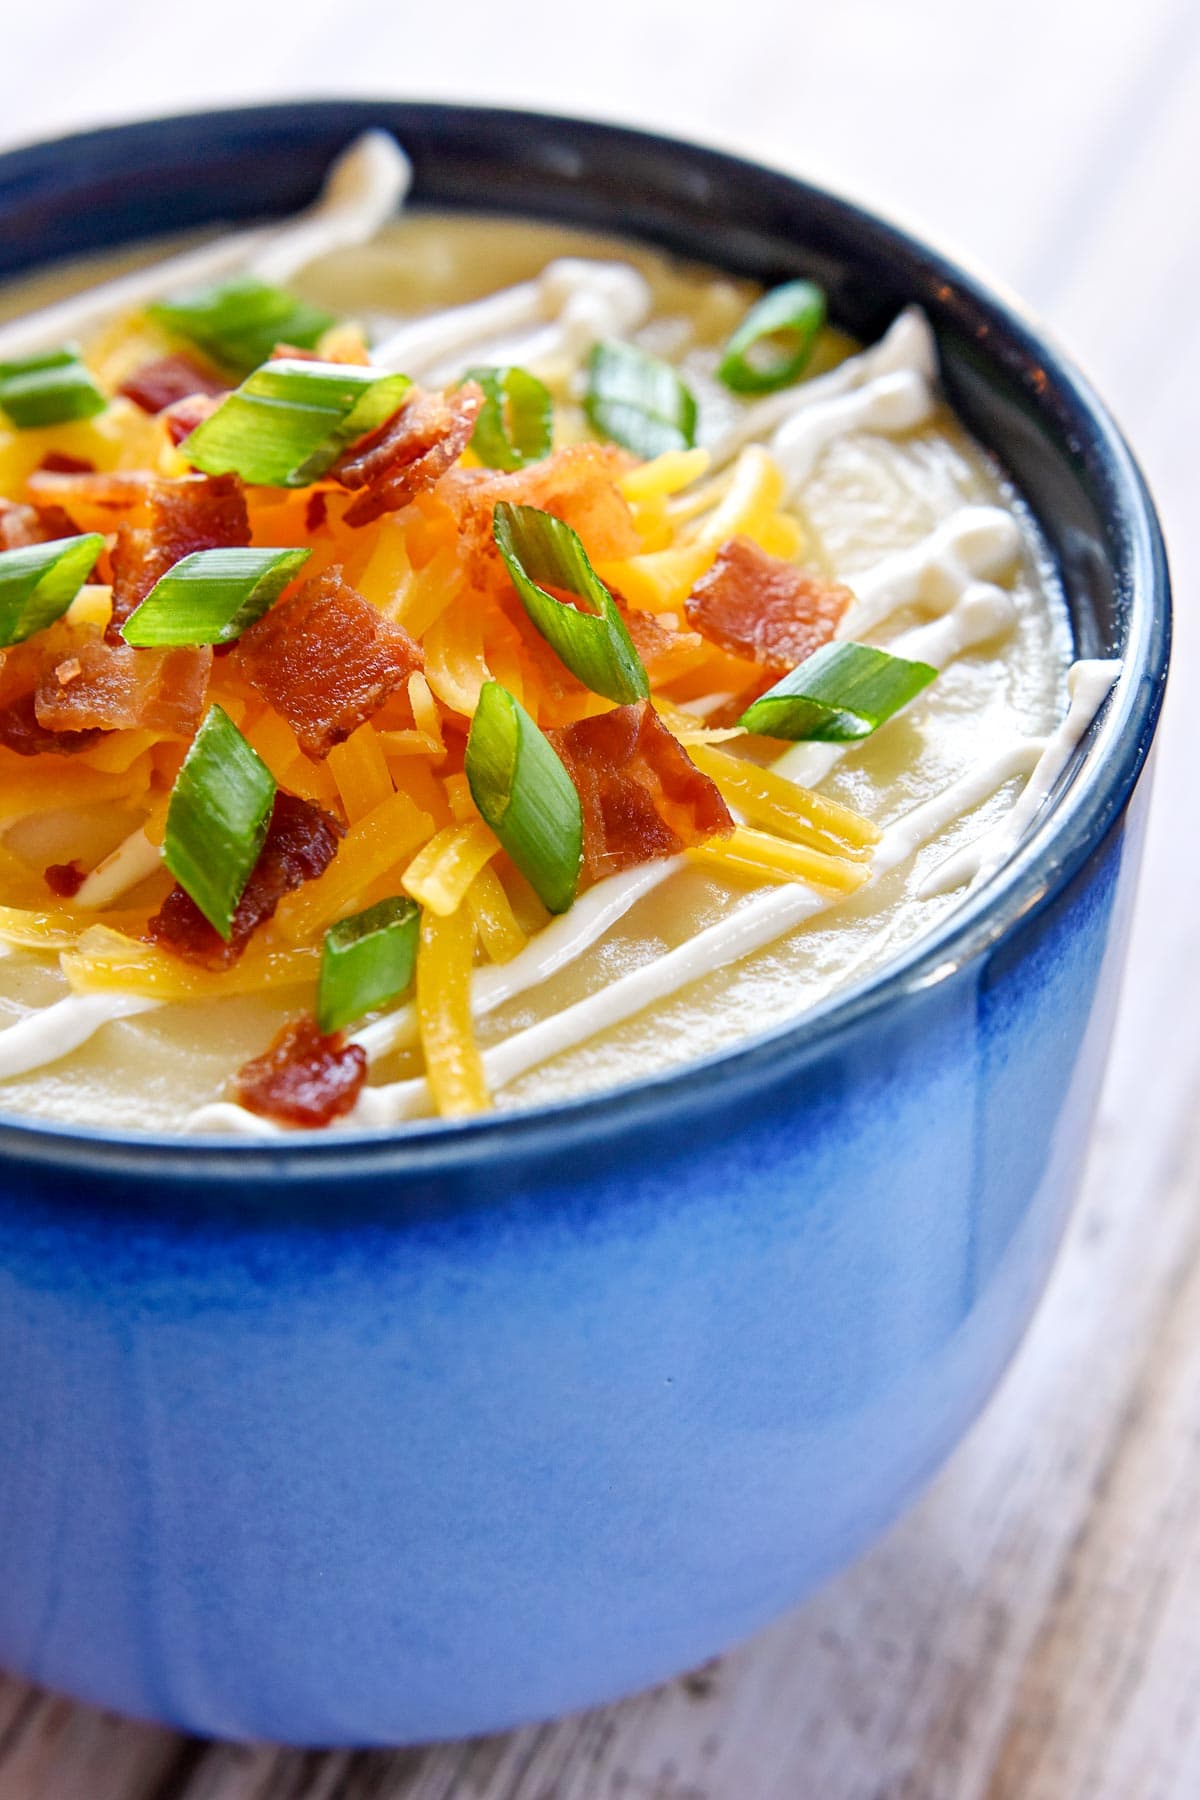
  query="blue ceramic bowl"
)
[{"x": 383, "y": 1439}]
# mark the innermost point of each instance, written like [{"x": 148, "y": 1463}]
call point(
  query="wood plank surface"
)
[{"x": 1032, "y": 1630}]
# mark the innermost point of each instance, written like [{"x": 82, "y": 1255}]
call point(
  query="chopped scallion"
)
[
  {"x": 638, "y": 400},
  {"x": 524, "y": 793},
  {"x": 516, "y": 421},
  {"x": 51, "y": 388},
  {"x": 212, "y": 596},
  {"x": 367, "y": 961},
  {"x": 792, "y": 315},
  {"x": 842, "y": 692},
  {"x": 217, "y": 818},
  {"x": 238, "y": 323},
  {"x": 290, "y": 420},
  {"x": 39, "y": 581},
  {"x": 542, "y": 552}
]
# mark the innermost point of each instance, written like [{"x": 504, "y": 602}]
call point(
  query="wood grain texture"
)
[{"x": 1032, "y": 1630}]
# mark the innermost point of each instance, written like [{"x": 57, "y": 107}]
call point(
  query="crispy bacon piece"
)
[
  {"x": 303, "y": 1078},
  {"x": 762, "y": 609},
  {"x": 409, "y": 452},
  {"x": 665, "y": 652},
  {"x": 60, "y": 462},
  {"x": 202, "y": 512},
  {"x": 578, "y": 484},
  {"x": 167, "y": 379},
  {"x": 641, "y": 794},
  {"x": 93, "y": 500},
  {"x": 183, "y": 416},
  {"x": 65, "y": 879},
  {"x": 21, "y": 733},
  {"x": 326, "y": 659},
  {"x": 113, "y": 687},
  {"x": 21, "y": 526},
  {"x": 300, "y": 845}
]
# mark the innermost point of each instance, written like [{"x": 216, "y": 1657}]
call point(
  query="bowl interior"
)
[{"x": 1020, "y": 399}]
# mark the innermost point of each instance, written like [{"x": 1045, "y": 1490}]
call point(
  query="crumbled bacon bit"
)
[
  {"x": 327, "y": 660},
  {"x": 763, "y": 609},
  {"x": 21, "y": 526},
  {"x": 58, "y": 462},
  {"x": 665, "y": 652},
  {"x": 409, "y": 452},
  {"x": 300, "y": 845},
  {"x": 113, "y": 687},
  {"x": 315, "y": 509},
  {"x": 304, "y": 1078},
  {"x": 641, "y": 794},
  {"x": 183, "y": 416},
  {"x": 65, "y": 879},
  {"x": 205, "y": 512},
  {"x": 112, "y": 489},
  {"x": 578, "y": 484},
  {"x": 167, "y": 379},
  {"x": 21, "y": 732}
]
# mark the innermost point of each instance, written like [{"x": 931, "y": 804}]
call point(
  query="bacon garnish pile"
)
[
  {"x": 642, "y": 796},
  {"x": 300, "y": 845},
  {"x": 326, "y": 660},
  {"x": 409, "y": 452},
  {"x": 303, "y": 1078},
  {"x": 764, "y": 610}
]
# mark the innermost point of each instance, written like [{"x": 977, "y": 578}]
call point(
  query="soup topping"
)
[{"x": 415, "y": 666}]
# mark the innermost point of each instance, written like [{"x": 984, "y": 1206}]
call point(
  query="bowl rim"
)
[{"x": 1072, "y": 827}]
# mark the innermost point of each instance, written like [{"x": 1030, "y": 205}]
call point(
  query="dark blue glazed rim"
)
[{"x": 1015, "y": 391}]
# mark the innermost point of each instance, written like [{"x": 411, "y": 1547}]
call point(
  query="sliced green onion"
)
[
  {"x": 238, "y": 323},
  {"x": 638, "y": 400},
  {"x": 843, "y": 692},
  {"x": 367, "y": 961},
  {"x": 793, "y": 315},
  {"x": 217, "y": 818},
  {"x": 516, "y": 422},
  {"x": 212, "y": 596},
  {"x": 524, "y": 793},
  {"x": 540, "y": 551},
  {"x": 48, "y": 389},
  {"x": 290, "y": 420},
  {"x": 39, "y": 582}
]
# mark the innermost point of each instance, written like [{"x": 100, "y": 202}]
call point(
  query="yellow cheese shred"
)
[
  {"x": 453, "y": 1065},
  {"x": 782, "y": 806},
  {"x": 105, "y": 959},
  {"x": 360, "y": 769},
  {"x": 491, "y": 908},
  {"x": 442, "y": 871},
  {"x": 763, "y": 857},
  {"x": 381, "y": 841}
]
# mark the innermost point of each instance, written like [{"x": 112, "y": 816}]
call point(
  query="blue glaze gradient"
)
[{"x": 378, "y": 1440}]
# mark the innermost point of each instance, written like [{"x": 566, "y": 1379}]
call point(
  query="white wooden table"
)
[{"x": 1032, "y": 1630}]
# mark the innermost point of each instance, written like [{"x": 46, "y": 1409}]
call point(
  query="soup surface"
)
[{"x": 854, "y": 471}]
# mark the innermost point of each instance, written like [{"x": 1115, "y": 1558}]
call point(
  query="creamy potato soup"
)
[{"x": 455, "y": 663}]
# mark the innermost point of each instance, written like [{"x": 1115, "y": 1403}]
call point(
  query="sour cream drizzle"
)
[
  {"x": 364, "y": 187},
  {"x": 43, "y": 1037},
  {"x": 1088, "y": 684},
  {"x": 560, "y": 314},
  {"x": 907, "y": 347}
]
